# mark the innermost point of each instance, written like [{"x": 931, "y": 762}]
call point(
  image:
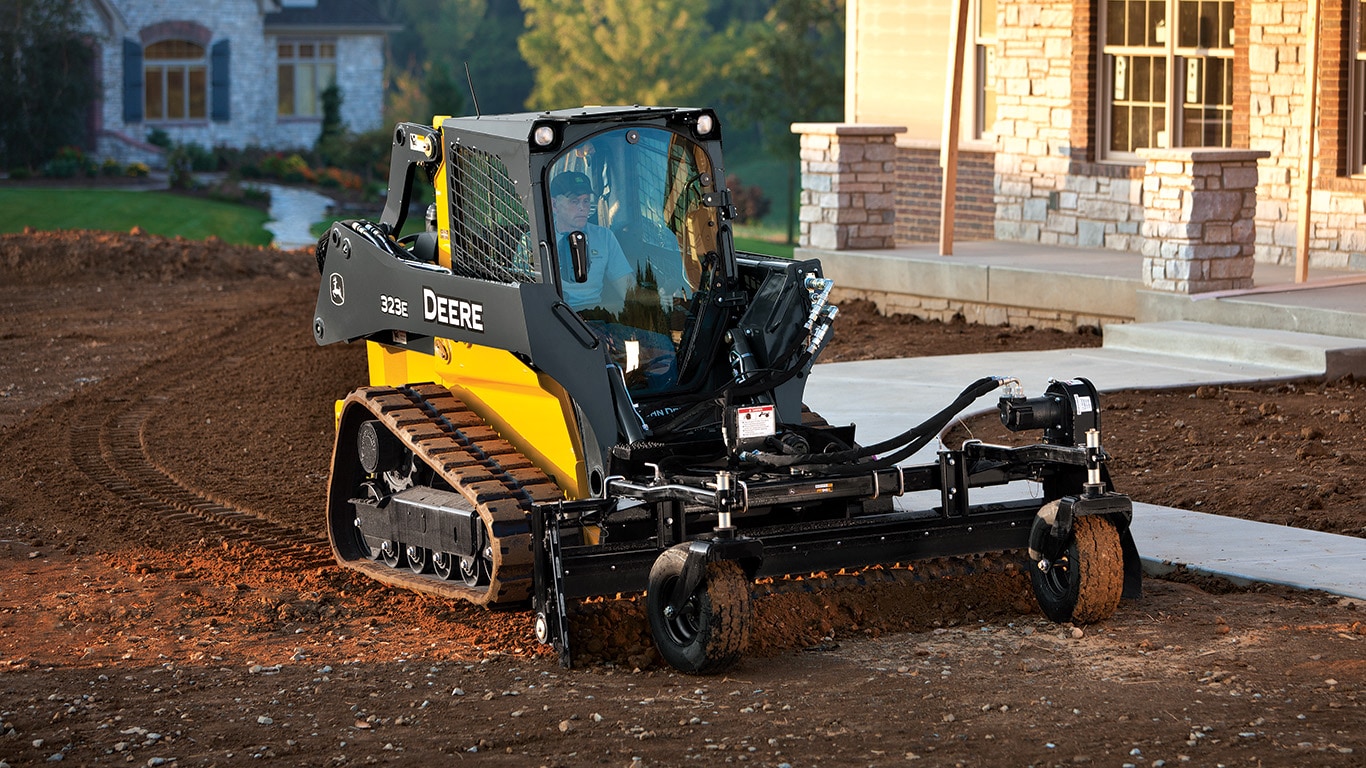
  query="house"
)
[
  {"x": 233, "y": 73},
  {"x": 1171, "y": 129}
]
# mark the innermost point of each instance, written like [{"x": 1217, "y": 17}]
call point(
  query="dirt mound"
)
[
  {"x": 39, "y": 258},
  {"x": 862, "y": 333}
]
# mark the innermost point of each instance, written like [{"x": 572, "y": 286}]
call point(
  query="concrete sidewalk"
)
[{"x": 886, "y": 397}]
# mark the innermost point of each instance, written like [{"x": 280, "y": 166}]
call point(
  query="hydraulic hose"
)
[{"x": 907, "y": 442}]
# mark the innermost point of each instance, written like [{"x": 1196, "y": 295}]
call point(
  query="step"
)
[{"x": 1311, "y": 353}]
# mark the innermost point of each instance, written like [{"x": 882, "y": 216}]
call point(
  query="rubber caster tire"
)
[
  {"x": 1085, "y": 576},
  {"x": 711, "y": 631}
]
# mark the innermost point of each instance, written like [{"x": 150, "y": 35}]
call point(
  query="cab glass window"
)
[{"x": 633, "y": 199}]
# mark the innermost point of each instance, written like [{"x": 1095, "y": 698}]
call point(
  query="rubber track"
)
[
  {"x": 115, "y": 455},
  {"x": 493, "y": 476}
]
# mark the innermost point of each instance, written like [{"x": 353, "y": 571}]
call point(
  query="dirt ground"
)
[{"x": 166, "y": 596}]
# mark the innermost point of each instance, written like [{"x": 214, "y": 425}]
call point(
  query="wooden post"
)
[
  {"x": 948, "y": 149},
  {"x": 1311, "y": 108}
]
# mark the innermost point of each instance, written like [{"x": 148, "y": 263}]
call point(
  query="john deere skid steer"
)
[{"x": 579, "y": 387}]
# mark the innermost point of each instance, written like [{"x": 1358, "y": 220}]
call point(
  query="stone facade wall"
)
[
  {"x": 848, "y": 195},
  {"x": 919, "y": 183},
  {"x": 1276, "y": 66},
  {"x": 1050, "y": 189},
  {"x": 1198, "y": 226},
  {"x": 1047, "y": 191},
  {"x": 253, "y": 78}
]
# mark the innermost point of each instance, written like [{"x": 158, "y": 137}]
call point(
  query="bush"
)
[
  {"x": 159, "y": 138},
  {"x": 336, "y": 178},
  {"x": 292, "y": 168},
  {"x": 201, "y": 159},
  {"x": 47, "y": 81},
  {"x": 69, "y": 163},
  {"x": 750, "y": 202},
  {"x": 180, "y": 168},
  {"x": 137, "y": 170},
  {"x": 111, "y": 167},
  {"x": 236, "y": 192}
]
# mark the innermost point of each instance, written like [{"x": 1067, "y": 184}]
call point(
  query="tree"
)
[
  {"x": 47, "y": 80},
  {"x": 333, "y": 132},
  {"x": 616, "y": 51},
  {"x": 438, "y": 40},
  {"x": 791, "y": 70}
]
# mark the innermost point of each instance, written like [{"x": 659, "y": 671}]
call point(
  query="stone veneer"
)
[
  {"x": 1198, "y": 227},
  {"x": 848, "y": 198},
  {"x": 1337, "y": 236},
  {"x": 1051, "y": 189}
]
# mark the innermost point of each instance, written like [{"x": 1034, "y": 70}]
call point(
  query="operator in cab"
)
[{"x": 610, "y": 275}]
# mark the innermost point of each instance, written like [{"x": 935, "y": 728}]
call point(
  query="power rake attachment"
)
[{"x": 693, "y": 541}]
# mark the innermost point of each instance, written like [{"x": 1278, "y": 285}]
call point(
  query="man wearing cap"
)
[{"x": 609, "y": 273}]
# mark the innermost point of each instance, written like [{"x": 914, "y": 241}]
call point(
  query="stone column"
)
[
  {"x": 848, "y": 185},
  {"x": 1199, "y": 228}
]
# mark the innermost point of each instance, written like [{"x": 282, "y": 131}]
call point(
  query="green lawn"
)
[
  {"x": 159, "y": 213},
  {"x": 761, "y": 245}
]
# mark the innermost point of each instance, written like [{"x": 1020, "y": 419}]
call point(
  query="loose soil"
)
[{"x": 146, "y": 380}]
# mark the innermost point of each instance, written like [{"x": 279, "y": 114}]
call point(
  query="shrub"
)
[
  {"x": 180, "y": 168},
  {"x": 750, "y": 202},
  {"x": 69, "y": 163},
  {"x": 137, "y": 170},
  {"x": 336, "y": 178},
  {"x": 201, "y": 159},
  {"x": 159, "y": 138},
  {"x": 111, "y": 167}
]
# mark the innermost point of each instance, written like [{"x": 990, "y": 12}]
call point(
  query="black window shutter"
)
[
  {"x": 220, "y": 79},
  {"x": 132, "y": 81}
]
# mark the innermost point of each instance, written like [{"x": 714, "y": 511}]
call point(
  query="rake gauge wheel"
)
[
  {"x": 708, "y": 634},
  {"x": 1083, "y": 575}
]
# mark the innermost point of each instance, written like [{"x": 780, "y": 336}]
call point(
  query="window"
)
[
  {"x": 1356, "y": 101},
  {"x": 1167, "y": 75},
  {"x": 638, "y": 195},
  {"x": 175, "y": 81},
  {"x": 984, "y": 69},
  {"x": 307, "y": 67}
]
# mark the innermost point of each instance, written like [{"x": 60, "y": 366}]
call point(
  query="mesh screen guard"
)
[{"x": 490, "y": 226}]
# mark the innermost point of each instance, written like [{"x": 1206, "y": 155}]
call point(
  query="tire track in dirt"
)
[{"x": 116, "y": 454}]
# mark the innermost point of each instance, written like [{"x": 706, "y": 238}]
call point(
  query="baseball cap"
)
[{"x": 570, "y": 183}]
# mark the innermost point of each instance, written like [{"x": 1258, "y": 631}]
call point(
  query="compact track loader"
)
[{"x": 579, "y": 387}]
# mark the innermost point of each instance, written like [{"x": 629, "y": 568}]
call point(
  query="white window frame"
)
[
  {"x": 983, "y": 78},
  {"x": 1176, "y": 59}
]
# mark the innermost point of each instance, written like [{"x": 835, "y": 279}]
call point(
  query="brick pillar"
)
[
  {"x": 1199, "y": 209},
  {"x": 848, "y": 185}
]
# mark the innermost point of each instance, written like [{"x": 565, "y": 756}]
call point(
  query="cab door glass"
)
[{"x": 636, "y": 194}]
